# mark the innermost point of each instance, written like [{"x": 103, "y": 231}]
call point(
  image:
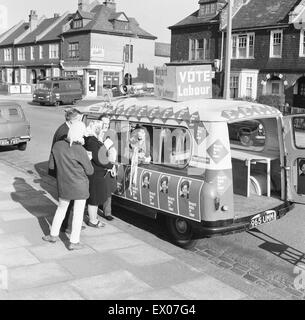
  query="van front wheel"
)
[{"x": 180, "y": 231}]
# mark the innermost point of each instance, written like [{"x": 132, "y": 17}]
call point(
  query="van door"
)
[{"x": 294, "y": 140}]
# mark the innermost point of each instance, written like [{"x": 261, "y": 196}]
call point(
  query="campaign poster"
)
[
  {"x": 168, "y": 193},
  {"x": 121, "y": 187},
  {"x": 132, "y": 183},
  {"x": 149, "y": 188},
  {"x": 189, "y": 195}
]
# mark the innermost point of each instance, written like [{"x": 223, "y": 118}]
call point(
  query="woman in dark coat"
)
[
  {"x": 73, "y": 166},
  {"x": 103, "y": 182}
]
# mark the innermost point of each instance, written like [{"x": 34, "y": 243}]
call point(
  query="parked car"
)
[
  {"x": 58, "y": 91},
  {"x": 247, "y": 133},
  {"x": 14, "y": 126}
]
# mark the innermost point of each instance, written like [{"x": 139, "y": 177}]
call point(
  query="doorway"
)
[{"x": 92, "y": 84}]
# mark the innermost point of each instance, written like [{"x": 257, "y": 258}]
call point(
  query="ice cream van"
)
[{"x": 195, "y": 167}]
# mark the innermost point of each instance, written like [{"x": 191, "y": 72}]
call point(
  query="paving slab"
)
[
  {"x": 54, "y": 292},
  {"x": 37, "y": 275},
  {"x": 9, "y": 241},
  {"x": 17, "y": 257},
  {"x": 85, "y": 266},
  {"x": 95, "y": 232},
  {"x": 143, "y": 255},
  {"x": 207, "y": 288},
  {"x": 9, "y": 204},
  {"x": 166, "y": 274},
  {"x": 117, "y": 285},
  {"x": 158, "y": 295},
  {"x": 112, "y": 241},
  {"x": 49, "y": 251}
]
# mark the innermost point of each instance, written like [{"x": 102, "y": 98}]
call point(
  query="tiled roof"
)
[
  {"x": 101, "y": 22},
  {"x": 86, "y": 15},
  {"x": 31, "y": 37},
  {"x": 9, "y": 40},
  {"x": 256, "y": 13},
  {"x": 259, "y": 13},
  {"x": 162, "y": 49},
  {"x": 194, "y": 19},
  {"x": 57, "y": 30}
]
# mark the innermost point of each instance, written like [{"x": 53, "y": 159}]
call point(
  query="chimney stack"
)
[
  {"x": 84, "y": 5},
  {"x": 56, "y": 15},
  {"x": 110, "y": 4},
  {"x": 33, "y": 19}
]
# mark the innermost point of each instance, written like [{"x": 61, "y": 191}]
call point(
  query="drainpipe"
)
[{"x": 228, "y": 52}]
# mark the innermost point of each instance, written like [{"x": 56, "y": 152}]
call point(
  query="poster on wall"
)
[
  {"x": 189, "y": 198},
  {"x": 168, "y": 193},
  {"x": 149, "y": 188}
]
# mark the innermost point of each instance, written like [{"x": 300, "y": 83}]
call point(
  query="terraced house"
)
[
  {"x": 102, "y": 46},
  {"x": 268, "y": 47}
]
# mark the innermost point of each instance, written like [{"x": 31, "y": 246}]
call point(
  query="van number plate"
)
[{"x": 265, "y": 217}]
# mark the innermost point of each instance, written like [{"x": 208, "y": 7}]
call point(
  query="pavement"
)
[{"x": 115, "y": 264}]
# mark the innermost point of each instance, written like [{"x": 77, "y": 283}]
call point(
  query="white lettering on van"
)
[{"x": 195, "y": 76}]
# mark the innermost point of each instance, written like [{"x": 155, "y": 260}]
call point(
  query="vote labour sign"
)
[{"x": 182, "y": 83}]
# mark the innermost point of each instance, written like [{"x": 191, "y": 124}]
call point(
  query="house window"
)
[
  {"x": 8, "y": 54},
  {"x": 32, "y": 53},
  {"x": 77, "y": 24},
  {"x": 302, "y": 43},
  {"x": 243, "y": 46},
  {"x": 40, "y": 52},
  {"x": 206, "y": 9},
  {"x": 74, "y": 50},
  {"x": 200, "y": 49},
  {"x": 249, "y": 87},
  {"x": 234, "y": 86},
  {"x": 21, "y": 54},
  {"x": 276, "y": 44},
  {"x": 302, "y": 89},
  {"x": 128, "y": 53},
  {"x": 53, "y": 51}
]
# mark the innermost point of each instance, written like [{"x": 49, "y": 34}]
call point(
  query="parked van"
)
[
  {"x": 204, "y": 179},
  {"x": 14, "y": 126},
  {"x": 58, "y": 91}
]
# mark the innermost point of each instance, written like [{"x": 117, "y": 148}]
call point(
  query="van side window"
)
[
  {"x": 299, "y": 130},
  {"x": 13, "y": 112},
  {"x": 248, "y": 135}
]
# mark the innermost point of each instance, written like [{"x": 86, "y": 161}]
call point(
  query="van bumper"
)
[{"x": 233, "y": 226}]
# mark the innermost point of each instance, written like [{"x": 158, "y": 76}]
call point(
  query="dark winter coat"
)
[
  {"x": 101, "y": 183},
  {"x": 60, "y": 134},
  {"x": 73, "y": 166}
]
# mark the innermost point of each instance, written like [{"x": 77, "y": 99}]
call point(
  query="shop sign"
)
[
  {"x": 97, "y": 52},
  {"x": 182, "y": 83}
]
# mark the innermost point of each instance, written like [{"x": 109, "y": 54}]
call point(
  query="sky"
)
[{"x": 154, "y": 16}]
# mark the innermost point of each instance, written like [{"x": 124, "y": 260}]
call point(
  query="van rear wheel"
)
[{"x": 181, "y": 232}]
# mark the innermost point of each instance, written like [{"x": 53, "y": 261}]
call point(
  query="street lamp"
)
[{"x": 228, "y": 52}]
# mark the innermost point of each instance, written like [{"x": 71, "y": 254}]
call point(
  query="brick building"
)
[
  {"x": 268, "y": 46},
  {"x": 102, "y": 46}
]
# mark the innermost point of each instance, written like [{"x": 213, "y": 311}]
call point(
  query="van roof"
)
[
  {"x": 9, "y": 104},
  {"x": 157, "y": 110}
]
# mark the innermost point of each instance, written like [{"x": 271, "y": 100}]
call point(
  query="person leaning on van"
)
[
  {"x": 103, "y": 181},
  {"x": 73, "y": 166}
]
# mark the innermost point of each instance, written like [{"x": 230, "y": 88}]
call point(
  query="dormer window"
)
[
  {"x": 77, "y": 24},
  {"x": 207, "y": 9}
]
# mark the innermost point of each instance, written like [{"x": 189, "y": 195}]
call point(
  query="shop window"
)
[{"x": 301, "y": 88}]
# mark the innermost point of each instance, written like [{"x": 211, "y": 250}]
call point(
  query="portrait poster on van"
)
[
  {"x": 168, "y": 193},
  {"x": 189, "y": 194},
  {"x": 121, "y": 185},
  {"x": 149, "y": 187},
  {"x": 132, "y": 184}
]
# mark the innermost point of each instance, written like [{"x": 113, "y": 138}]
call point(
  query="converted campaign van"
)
[
  {"x": 58, "y": 91},
  {"x": 198, "y": 170}
]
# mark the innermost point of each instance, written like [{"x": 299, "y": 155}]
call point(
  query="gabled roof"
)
[
  {"x": 57, "y": 30},
  {"x": 31, "y": 37},
  {"x": 10, "y": 39},
  {"x": 102, "y": 23},
  {"x": 85, "y": 15},
  {"x": 117, "y": 15},
  {"x": 258, "y": 13}
]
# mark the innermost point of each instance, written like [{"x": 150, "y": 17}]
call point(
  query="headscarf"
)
[{"x": 76, "y": 133}]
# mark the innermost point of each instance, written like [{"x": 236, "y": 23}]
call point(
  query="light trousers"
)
[{"x": 78, "y": 215}]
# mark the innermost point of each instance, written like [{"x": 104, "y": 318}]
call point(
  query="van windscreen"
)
[{"x": 45, "y": 85}]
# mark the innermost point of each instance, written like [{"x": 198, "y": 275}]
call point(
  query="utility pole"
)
[{"x": 228, "y": 52}]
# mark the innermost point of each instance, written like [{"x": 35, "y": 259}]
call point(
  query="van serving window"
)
[{"x": 13, "y": 112}]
